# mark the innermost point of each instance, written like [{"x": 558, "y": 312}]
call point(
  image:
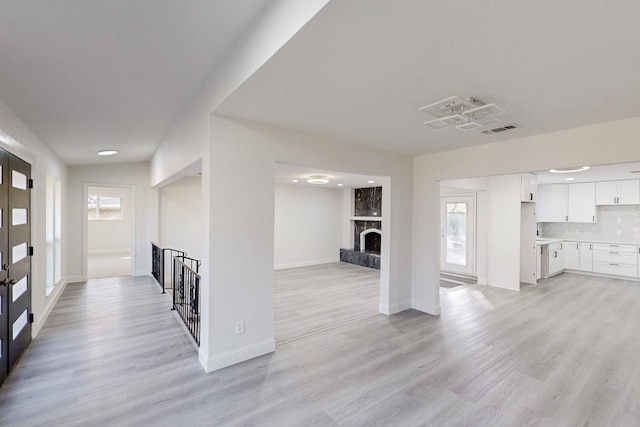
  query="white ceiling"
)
[
  {"x": 595, "y": 173},
  {"x": 361, "y": 69},
  {"x": 286, "y": 173},
  {"x": 85, "y": 75}
]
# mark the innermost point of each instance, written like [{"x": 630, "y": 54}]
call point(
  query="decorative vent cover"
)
[{"x": 501, "y": 129}]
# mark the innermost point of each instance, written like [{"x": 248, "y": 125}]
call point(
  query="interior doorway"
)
[
  {"x": 110, "y": 231},
  {"x": 329, "y": 250},
  {"x": 457, "y": 234}
]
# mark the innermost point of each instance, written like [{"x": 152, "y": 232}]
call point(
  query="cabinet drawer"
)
[
  {"x": 615, "y": 248},
  {"x": 615, "y": 269},
  {"x": 616, "y": 257}
]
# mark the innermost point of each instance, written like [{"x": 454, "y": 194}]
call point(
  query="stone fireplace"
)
[
  {"x": 371, "y": 241},
  {"x": 366, "y": 224}
]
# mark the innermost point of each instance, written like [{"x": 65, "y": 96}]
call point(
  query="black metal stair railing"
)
[
  {"x": 186, "y": 293},
  {"x": 158, "y": 266}
]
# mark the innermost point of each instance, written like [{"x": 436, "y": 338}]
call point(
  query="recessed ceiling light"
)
[
  {"x": 294, "y": 180},
  {"x": 570, "y": 179},
  {"x": 569, "y": 170},
  {"x": 370, "y": 182},
  {"x": 340, "y": 185},
  {"x": 317, "y": 179},
  {"x": 107, "y": 152}
]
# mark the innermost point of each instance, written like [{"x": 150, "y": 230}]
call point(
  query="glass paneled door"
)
[
  {"x": 15, "y": 260},
  {"x": 457, "y": 234}
]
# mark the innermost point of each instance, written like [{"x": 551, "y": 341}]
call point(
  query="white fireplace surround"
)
[{"x": 364, "y": 233}]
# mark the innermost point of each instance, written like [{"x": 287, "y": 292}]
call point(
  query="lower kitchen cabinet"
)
[
  {"x": 556, "y": 258},
  {"x": 619, "y": 260},
  {"x": 571, "y": 255},
  {"x": 586, "y": 256}
]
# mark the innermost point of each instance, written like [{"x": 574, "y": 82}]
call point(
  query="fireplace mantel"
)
[{"x": 366, "y": 218}]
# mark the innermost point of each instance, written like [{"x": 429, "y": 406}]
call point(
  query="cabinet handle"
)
[
  {"x": 560, "y": 246},
  {"x": 567, "y": 218},
  {"x": 555, "y": 254},
  {"x": 615, "y": 265},
  {"x": 590, "y": 248},
  {"x": 614, "y": 253},
  {"x": 531, "y": 196},
  {"x": 594, "y": 218}
]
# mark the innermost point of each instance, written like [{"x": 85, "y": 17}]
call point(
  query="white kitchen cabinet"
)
[
  {"x": 556, "y": 258},
  {"x": 586, "y": 256},
  {"x": 567, "y": 202},
  {"x": 539, "y": 262},
  {"x": 624, "y": 192},
  {"x": 582, "y": 202},
  {"x": 571, "y": 255},
  {"x": 619, "y": 260},
  {"x": 553, "y": 203},
  {"x": 529, "y": 184}
]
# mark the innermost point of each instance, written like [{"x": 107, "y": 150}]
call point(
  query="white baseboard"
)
[
  {"x": 75, "y": 279},
  {"x": 393, "y": 309},
  {"x": 425, "y": 307},
  {"x": 52, "y": 299},
  {"x": 482, "y": 280},
  {"x": 222, "y": 360},
  {"x": 108, "y": 251},
  {"x": 143, "y": 272},
  {"x": 305, "y": 263}
]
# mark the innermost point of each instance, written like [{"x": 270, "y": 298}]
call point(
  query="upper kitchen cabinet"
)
[
  {"x": 567, "y": 202},
  {"x": 529, "y": 187},
  {"x": 553, "y": 203},
  {"x": 625, "y": 192},
  {"x": 582, "y": 202}
]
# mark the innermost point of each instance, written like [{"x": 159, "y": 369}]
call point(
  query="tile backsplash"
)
[{"x": 611, "y": 219}]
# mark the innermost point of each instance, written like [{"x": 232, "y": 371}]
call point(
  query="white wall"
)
[
  {"x": 16, "y": 138},
  {"x": 308, "y": 225},
  {"x": 180, "y": 216},
  {"x": 112, "y": 236},
  {"x": 503, "y": 245},
  {"x": 238, "y": 277},
  {"x": 188, "y": 138},
  {"x": 134, "y": 175},
  {"x": 606, "y": 143}
]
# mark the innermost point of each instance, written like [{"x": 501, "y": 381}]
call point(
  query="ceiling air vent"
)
[{"x": 501, "y": 129}]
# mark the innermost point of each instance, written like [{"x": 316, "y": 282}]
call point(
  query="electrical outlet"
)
[
  {"x": 619, "y": 220},
  {"x": 240, "y": 327}
]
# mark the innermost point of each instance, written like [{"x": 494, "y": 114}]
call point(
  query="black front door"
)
[
  {"x": 4, "y": 266},
  {"x": 15, "y": 246}
]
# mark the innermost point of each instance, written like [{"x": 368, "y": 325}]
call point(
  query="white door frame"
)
[
  {"x": 470, "y": 267},
  {"x": 85, "y": 226}
]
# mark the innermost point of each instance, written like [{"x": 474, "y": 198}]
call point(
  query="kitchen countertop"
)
[{"x": 550, "y": 240}]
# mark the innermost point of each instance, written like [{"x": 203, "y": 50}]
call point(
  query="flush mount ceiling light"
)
[
  {"x": 569, "y": 170},
  {"x": 107, "y": 152},
  {"x": 464, "y": 114},
  {"x": 318, "y": 179}
]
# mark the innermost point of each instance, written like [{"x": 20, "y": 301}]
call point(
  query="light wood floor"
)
[
  {"x": 108, "y": 265},
  {"x": 314, "y": 299},
  {"x": 563, "y": 353}
]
